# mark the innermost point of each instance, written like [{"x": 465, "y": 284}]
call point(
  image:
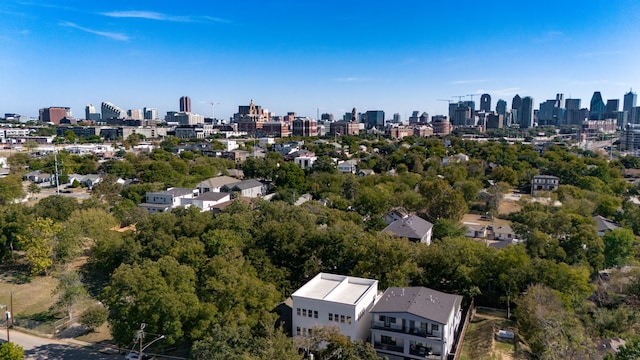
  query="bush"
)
[
  {"x": 11, "y": 351},
  {"x": 94, "y": 316}
]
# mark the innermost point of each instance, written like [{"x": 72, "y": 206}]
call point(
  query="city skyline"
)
[{"x": 291, "y": 56}]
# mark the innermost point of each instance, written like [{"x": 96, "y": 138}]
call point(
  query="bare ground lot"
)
[{"x": 481, "y": 343}]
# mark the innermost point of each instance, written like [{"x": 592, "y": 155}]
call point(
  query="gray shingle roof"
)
[
  {"x": 419, "y": 301},
  {"x": 243, "y": 185},
  {"x": 604, "y": 224},
  {"x": 217, "y": 182},
  {"x": 412, "y": 227},
  {"x": 212, "y": 196}
]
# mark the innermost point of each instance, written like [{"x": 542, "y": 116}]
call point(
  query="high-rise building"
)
[
  {"x": 305, "y": 127},
  {"x": 501, "y": 107},
  {"x": 54, "y": 114},
  {"x": 375, "y": 119},
  {"x": 150, "y": 113},
  {"x": 629, "y": 104},
  {"x": 88, "y": 110},
  {"x": 545, "y": 115},
  {"x": 135, "y": 114},
  {"x": 573, "y": 104},
  {"x": 110, "y": 111},
  {"x": 396, "y": 118},
  {"x": 516, "y": 103},
  {"x": 185, "y": 104},
  {"x": 327, "y": 117},
  {"x": 90, "y": 113},
  {"x": 597, "y": 108},
  {"x": 526, "y": 113},
  {"x": 485, "y": 102}
]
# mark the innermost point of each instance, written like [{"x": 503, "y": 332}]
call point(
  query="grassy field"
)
[{"x": 33, "y": 299}]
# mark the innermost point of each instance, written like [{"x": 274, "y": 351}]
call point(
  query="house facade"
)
[
  {"x": 541, "y": 183},
  {"x": 334, "y": 301},
  {"x": 166, "y": 200},
  {"x": 415, "y": 323},
  {"x": 246, "y": 188}
]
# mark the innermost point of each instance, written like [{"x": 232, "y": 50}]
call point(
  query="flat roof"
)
[{"x": 336, "y": 288}]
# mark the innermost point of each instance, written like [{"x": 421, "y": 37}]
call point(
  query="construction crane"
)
[
  {"x": 459, "y": 97},
  {"x": 472, "y": 95},
  {"x": 449, "y": 101}
]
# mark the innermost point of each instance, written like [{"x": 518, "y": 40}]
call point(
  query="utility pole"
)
[
  {"x": 55, "y": 161},
  {"x": 141, "y": 336}
]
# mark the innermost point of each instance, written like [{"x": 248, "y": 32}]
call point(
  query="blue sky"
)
[{"x": 334, "y": 55}]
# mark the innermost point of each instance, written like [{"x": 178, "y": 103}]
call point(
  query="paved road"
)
[{"x": 38, "y": 348}]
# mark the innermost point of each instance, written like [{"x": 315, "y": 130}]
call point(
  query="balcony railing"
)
[
  {"x": 388, "y": 347},
  {"x": 420, "y": 332}
]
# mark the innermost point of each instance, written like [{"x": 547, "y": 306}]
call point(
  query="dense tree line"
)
[{"x": 188, "y": 275}]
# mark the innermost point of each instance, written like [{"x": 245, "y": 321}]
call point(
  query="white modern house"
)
[
  {"x": 415, "y": 323},
  {"x": 305, "y": 162},
  {"x": 209, "y": 200},
  {"x": 166, "y": 200},
  {"x": 334, "y": 300}
]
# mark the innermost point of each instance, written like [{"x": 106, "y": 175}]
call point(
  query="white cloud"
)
[
  {"x": 600, "y": 53},
  {"x": 152, "y": 15},
  {"x": 110, "y": 35},
  {"x": 462, "y": 82},
  {"x": 351, "y": 79}
]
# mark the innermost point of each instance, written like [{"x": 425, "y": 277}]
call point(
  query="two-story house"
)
[
  {"x": 544, "y": 183},
  {"x": 415, "y": 323},
  {"x": 166, "y": 200},
  {"x": 246, "y": 188},
  {"x": 334, "y": 300}
]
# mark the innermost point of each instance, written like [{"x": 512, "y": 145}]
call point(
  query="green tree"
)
[
  {"x": 39, "y": 241},
  {"x": 94, "y": 316},
  {"x": 11, "y": 351},
  {"x": 618, "y": 247},
  {"x": 108, "y": 189},
  {"x": 291, "y": 176},
  {"x": 552, "y": 331},
  {"x": 10, "y": 189},
  {"x": 33, "y": 189},
  {"x": 442, "y": 201},
  {"x": 447, "y": 228},
  {"x": 629, "y": 351},
  {"x": 161, "y": 294},
  {"x": 69, "y": 291},
  {"x": 55, "y": 207}
]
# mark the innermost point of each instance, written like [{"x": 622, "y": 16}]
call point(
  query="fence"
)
[
  {"x": 50, "y": 328},
  {"x": 465, "y": 325}
]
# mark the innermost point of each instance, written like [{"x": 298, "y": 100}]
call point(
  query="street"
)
[{"x": 38, "y": 348}]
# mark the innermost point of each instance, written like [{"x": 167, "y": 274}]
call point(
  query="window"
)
[
  {"x": 348, "y": 319},
  {"x": 435, "y": 327},
  {"x": 330, "y": 316},
  {"x": 388, "y": 340},
  {"x": 315, "y": 314},
  {"x": 309, "y": 332},
  {"x": 298, "y": 311},
  {"x": 341, "y": 318},
  {"x": 298, "y": 330},
  {"x": 336, "y": 317},
  {"x": 304, "y": 312},
  {"x": 310, "y": 313}
]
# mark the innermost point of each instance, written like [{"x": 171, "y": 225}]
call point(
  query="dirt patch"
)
[{"x": 481, "y": 342}]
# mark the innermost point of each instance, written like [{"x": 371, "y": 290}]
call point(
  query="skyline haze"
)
[{"x": 298, "y": 56}]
